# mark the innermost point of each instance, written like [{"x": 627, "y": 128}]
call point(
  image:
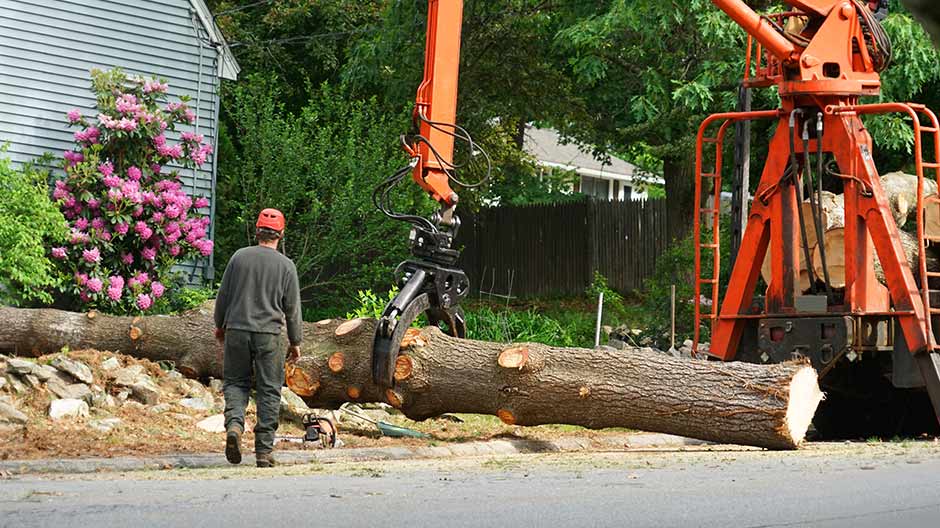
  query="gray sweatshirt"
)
[{"x": 259, "y": 291}]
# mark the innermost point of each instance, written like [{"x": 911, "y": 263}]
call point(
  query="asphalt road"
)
[{"x": 857, "y": 486}]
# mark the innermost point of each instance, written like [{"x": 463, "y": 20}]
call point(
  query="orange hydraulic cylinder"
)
[{"x": 759, "y": 28}]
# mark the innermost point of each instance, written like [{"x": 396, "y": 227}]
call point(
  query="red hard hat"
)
[{"x": 271, "y": 219}]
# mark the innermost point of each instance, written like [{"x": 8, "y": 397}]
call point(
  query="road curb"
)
[{"x": 509, "y": 446}]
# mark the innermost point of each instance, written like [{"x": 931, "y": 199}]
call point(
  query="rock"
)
[
  {"x": 73, "y": 391},
  {"x": 161, "y": 408},
  {"x": 213, "y": 424},
  {"x": 197, "y": 404},
  {"x": 101, "y": 399},
  {"x": 174, "y": 375},
  {"x": 10, "y": 414},
  {"x": 32, "y": 381},
  {"x": 134, "y": 406},
  {"x": 3, "y": 382},
  {"x": 105, "y": 425},
  {"x": 76, "y": 369},
  {"x": 68, "y": 408},
  {"x": 215, "y": 385},
  {"x": 16, "y": 385},
  {"x": 181, "y": 417},
  {"x": 20, "y": 366},
  {"x": 616, "y": 344},
  {"x": 123, "y": 394},
  {"x": 194, "y": 389},
  {"x": 687, "y": 344},
  {"x": 110, "y": 364},
  {"x": 146, "y": 391},
  {"x": 128, "y": 376}
]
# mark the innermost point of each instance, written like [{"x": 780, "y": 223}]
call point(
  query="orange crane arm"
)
[
  {"x": 436, "y": 103},
  {"x": 761, "y": 29}
]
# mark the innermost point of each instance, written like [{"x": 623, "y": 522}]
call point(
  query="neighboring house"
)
[
  {"x": 615, "y": 179},
  {"x": 48, "y": 47}
]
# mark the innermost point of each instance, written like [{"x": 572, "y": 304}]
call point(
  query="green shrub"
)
[
  {"x": 183, "y": 298},
  {"x": 370, "y": 304},
  {"x": 29, "y": 223},
  {"x": 503, "y": 326},
  {"x": 615, "y": 311}
]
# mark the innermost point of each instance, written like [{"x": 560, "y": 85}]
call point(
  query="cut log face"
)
[
  {"x": 901, "y": 191},
  {"x": 523, "y": 384},
  {"x": 766, "y": 272}
]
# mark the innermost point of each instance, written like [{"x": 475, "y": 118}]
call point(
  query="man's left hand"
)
[{"x": 293, "y": 353}]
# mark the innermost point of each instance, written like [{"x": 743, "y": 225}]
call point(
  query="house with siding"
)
[{"x": 48, "y": 47}]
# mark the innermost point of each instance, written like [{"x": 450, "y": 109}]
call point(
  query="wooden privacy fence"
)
[{"x": 545, "y": 250}]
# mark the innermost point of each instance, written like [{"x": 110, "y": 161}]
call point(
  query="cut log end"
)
[
  {"x": 336, "y": 362},
  {"x": 349, "y": 328},
  {"x": 803, "y": 399},
  {"x": 513, "y": 358},
  {"x": 506, "y": 416},
  {"x": 353, "y": 392},
  {"x": 393, "y": 398},
  {"x": 135, "y": 333},
  {"x": 298, "y": 381},
  {"x": 404, "y": 367}
]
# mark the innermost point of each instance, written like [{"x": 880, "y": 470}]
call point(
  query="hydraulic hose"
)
[
  {"x": 819, "y": 190},
  {"x": 794, "y": 173}
]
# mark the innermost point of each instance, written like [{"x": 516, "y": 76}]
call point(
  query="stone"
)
[
  {"x": 10, "y": 414},
  {"x": 174, "y": 375},
  {"x": 123, "y": 394},
  {"x": 181, "y": 417},
  {"x": 215, "y": 385},
  {"x": 16, "y": 385},
  {"x": 101, "y": 399},
  {"x": 197, "y": 404},
  {"x": 68, "y": 408},
  {"x": 76, "y": 369},
  {"x": 146, "y": 391},
  {"x": 161, "y": 408},
  {"x": 293, "y": 407},
  {"x": 73, "y": 391},
  {"x": 213, "y": 424},
  {"x": 687, "y": 344},
  {"x": 32, "y": 381},
  {"x": 20, "y": 366},
  {"x": 105, "y": 425},
  {"x": 110, "y": 364},
  {"x": 3, "y": 382},
  {"x": 194, "y": 389},
  {"x": 135, "y": 406},
  {"x": 128, "y": 376}
]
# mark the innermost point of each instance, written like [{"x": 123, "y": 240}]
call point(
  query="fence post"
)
[{"x": 591, "y": 212}]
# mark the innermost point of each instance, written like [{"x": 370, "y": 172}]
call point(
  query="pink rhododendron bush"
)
[{"x": 130, "y": 219}]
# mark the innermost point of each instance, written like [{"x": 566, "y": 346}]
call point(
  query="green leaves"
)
[{"x": 29, "y": 223}]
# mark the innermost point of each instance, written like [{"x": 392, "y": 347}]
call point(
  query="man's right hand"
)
[
  {"x": 293, "y": 353},
  {"x": 220, "y": 335}
]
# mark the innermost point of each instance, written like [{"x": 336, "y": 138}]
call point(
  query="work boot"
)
[
  {"x": 265, "y": 460},
  {"x": 233, "y": 445}
]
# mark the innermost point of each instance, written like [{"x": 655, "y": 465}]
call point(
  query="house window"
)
[
  {"x": 627, "y": 193},
  {"x": 595, "y": 187}
]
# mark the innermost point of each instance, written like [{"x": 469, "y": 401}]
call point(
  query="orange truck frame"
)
[{"x": 821, "y": 72}]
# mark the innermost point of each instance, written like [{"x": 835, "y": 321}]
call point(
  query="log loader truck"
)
[{"x": 870, "y": 334}]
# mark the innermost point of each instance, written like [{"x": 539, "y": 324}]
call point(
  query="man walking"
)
[{"x": 259, "y": 293}]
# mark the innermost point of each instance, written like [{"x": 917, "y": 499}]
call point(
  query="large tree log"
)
[
  {"x": 525, "y": 384},
  {"x": 901, "y": 190}
]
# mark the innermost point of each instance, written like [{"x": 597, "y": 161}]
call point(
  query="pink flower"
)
[
  {"x": 60, "y": 193},
  {"x": 115, "y": 195},
  {"x": 174, "y": 250},
  {"x": 144, "y": 302},
  {"x": 205, "y": 247},
  {"x": 202, "y": 202},
  {"x": 146, "y": 234},
  {"x": 59, "y": 253},
  {"x": 130, "y": 187},
  {"x": 157, "y": 218},
  {"x": 172, "y": 211},
  {"x": 121, "y": 228},
  {"x": 172, "y": 107},
  {"x": 81, "y": 224},
  {"x": 155, "y": 87},
  {"x": 127, "y": 124},
  {"x": 155, "y": 168},
  {"x": 140, "y": 226},
  {"x": 127, "y": 259},
  {"x": 91, "y": 256},
  {"x": 73, "y": 157},
  {"x": 107, "y": 121},
  {"x": 137, "y": 212},
  {"x": 89, "y": 135},
  {"x": 127, "y": 104},
  {"x": 69, "y": 202},
  {"x": 104, "y": 234},
  {"x": 112, "y": 181},
  {"x": 114, "y": 294},
  {"x": 106, "y": 169},
  {"x": 159, "y": 140},
  {"x": 134, "y": 173},
  {"x": 116, "y": 281},
  {"x": 93, "y": 204},
  {"x": 94, "y": 284},
  {"x": 171, "y": 238},
  {"x": 97, "y": 223},
  {"x": 148, "y": 253},
  {"x": 190, "y": 115},
  {"x": 157, "y": 289},
  {"x": 74, "y": 115},
  {"x": 78, "y": 237},
  {"x": 81, "y": 278},
  {"x": 83, "y": 295}
]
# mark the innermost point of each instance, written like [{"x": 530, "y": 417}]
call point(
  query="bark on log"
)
[
  {"x": 835, "y": 257},
  {"x": 901, "y": 191},
  {"x": 524, "y": 384}
]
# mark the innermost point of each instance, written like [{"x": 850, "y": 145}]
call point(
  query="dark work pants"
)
[{"x": 264, "y": 354}]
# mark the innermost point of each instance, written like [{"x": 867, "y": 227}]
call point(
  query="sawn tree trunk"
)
[{"x": 524, "y": 384}]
